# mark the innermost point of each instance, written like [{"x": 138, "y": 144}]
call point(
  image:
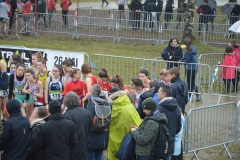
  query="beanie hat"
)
[
  {"x": 205, "y": 1},
  {"x": 55, "y": 107},
  {"x": 149, "y": 104}
]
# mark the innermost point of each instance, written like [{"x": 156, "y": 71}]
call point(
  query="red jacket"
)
[
  {"x": 237, "y": 52},
  {"x": 65, "y": 4},
  {"x": 27, "y": 7},
  {"x": 229, "y": 72},
  {"x": 51, "y": 5},
  {"x": 9, "y": 5}
]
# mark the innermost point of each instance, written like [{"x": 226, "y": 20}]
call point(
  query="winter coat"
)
[
  {"x": 51, "y": 5},
  {"x": 180, "y": 92},
  {"x": 13, "y": 141},
  {"x": 237, "y": 54},
  {"x": 65, "y": 4},
  {"x": 206, "y": 13},
  {"x": 83, "y": 123},
  {"x": 228, "y": 72},
  {"x": 159, "y": 6},
  {"x": 123, "y": 114},
  {"x": 146, "y": 134},
  {"x": 169, "y": 106},
  {"x": 27, "y": 8},
  {"x": 57, "y": 138},
  {"x": 168, "y": 10},
  {"x": 175, "y": 52},
  {"x": 191, "y": 58},
  {"x": 41, "y": 6},
  {"x": 234, "y": 15},
  {"x": 135, "y": 5},
  {"x": 178, "y": 138},
  {"x": 151, "y": 7},
  {"x": 98, "y": 140}
]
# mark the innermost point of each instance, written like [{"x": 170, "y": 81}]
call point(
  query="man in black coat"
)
[
  {"x": 205, "y": 12},
  {"x": 169, "y": 106},
  {"x": 136, "y": 8},
  {"x": 41, "y": 10},
  {"x": 168, "y": 12},
  {"x": 13, "y": 141},
  {"x": 56, "y": 138},
  {"x": 152, "y": 9},
  {"x": 82, "y": 119}
]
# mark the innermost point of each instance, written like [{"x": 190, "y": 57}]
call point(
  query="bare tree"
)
[{"x": 189, "y": 19}]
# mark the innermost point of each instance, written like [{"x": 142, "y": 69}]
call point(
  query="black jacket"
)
[
  {"x": 159, "y": 6},
  {"x": 169, "y": 106},
  {"x": 206, "y": 12},
  {"x": 15, "y": 135},
  {"x": 98, "y": 140},
  {"x": 82, "y": 120},
  {"x": 57, "y": 138},
  {"x": 151, "y": 7},
  {"x": 41, "y": 6},
  {"x": 180, "y": 92},
  {"x": 135, "y": 5}
]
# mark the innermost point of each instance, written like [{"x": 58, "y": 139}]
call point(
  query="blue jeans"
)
[
  {"x": 94, "y": 154},
  {"x": 50, "y": 15},
  {"x": 144, "y": 158}
]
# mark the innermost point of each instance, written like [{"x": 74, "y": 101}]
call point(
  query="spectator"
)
[
  {"x": 136, "y": 8},
  {"x": 168, "y": 12},
  {"x": 212, "y": 17},
  {"x": 98, "y": 141},
  {"x": 205, "y": 12},
  {"x": 13, "y": 141},
  {"x": 173, "y": 52},
  {"x": 159, "y": 10},
  {"x": 82, "y": 120},
  {"x": 65, "y": 6},
  {"x": 191, "y": 69},
  {"x": 165, "y": 77},
  {"x": 151, "y": 9},
  {"x": 146, "y": 134},
  {"x": 179, "y": 88},
  {"x": 123, "y": 114},
  {"x": 236, "y": 49},
  {"x": 13, "y": 4},
  {"x": 26, "y": 17},
  {"x": 144, "y": 76},
  {"x": 234, "y": 17},
  {"x": 181, "y": 10},
  {"x": 228, "y": 72},
  {"x": 4, "y": 10},
  {"x": 51, "y": 7},
  {"x": 169, "y": 106},
  {"x": 121, "y": 4},
  {"x": 56, "y": 137},
  {"x": 41, "y": 10}
]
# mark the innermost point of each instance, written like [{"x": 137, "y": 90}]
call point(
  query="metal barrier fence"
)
[{"x": 211, "y": 126}]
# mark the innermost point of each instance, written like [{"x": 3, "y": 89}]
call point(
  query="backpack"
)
[
  {"x": 161, "y": 147},
  {"x": 102, "y": 119}
]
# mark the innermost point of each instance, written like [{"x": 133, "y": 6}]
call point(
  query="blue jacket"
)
[
  {"x": 180, "y": 92},
  {"x": 15, "y": 135},
  {"x": 97, "y": 140},
  {"x": 178, "y": 138},
  {"x": 191, "y": 58},
  {"x": 169, "y": 106}
]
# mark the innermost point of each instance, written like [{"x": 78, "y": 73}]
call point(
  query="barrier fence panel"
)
[
  {"x": 188, "y": 71},
  {"x": 210, "y": 126},
  {"x": 104, "y": 27},
  {"x": 238, "y": 122},
  {"x": 224, "y": 82},
  {"x": 211, "y": 59},
  {"x": 126, "y": 67},
  {"x": 24, "y": 24}
]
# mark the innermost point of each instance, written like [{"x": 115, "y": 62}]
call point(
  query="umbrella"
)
[
  {"x": 215, "y": 75},
  {"x": 228, "y": 7},
  {"x": 235, "y": 27},
  {"x": 211, "y": 3}
]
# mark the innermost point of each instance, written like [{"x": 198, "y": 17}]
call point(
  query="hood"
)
[
  {"x": 170, "y": 41},
  {"x": 194, "y": 50},
  {"x": 117, "y": 94},
  {"x": 159, "y": 118},
  {"x": 174, "y": 80},
  {"x": 13, "y": 107},
  {"x": 107, "y": 102},
  {"x": 147, "y": 94},
  {"x": 169, "y": 103},
  {"x": 37, "y": 121}
]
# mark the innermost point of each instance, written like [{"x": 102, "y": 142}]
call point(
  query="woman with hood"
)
[
  {"x": 173, "y": 52},
  {"x": 191, "y": 69},
  {"x": 123, "y": 115}
]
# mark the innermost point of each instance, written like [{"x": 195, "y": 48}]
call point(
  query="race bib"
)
[
  {"x": 4, "y": 93},
  {"x": 34, "y": 98},
  {"x": 18, "y": 90},
  {"x": 56, "y": 95}
]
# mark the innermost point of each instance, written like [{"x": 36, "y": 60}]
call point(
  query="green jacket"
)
[{"x": 146, "y": 134}]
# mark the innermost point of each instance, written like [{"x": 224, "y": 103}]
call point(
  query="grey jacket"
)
[{"x": 146, "y": 134}]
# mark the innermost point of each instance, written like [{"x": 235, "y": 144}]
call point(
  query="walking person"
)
[
  {"x": 136, "y": 8},
  {"x": 146, "y": 134},
  {"x": 82, "y": 119},
  {"x": 191, "y": 69},
  {"x": 205, "y": 12},
  {"x": 56, "y": 138},
  {"x": 105, "y": 2},
  {"x": 13, "y": 141},
  {"x": 65, "y": 7},
  {"x": 4, "y": 10}
]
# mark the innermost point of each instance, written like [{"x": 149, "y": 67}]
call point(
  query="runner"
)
[
  {"x": 54, "y": 85},
  {"x": 13, "y": 67},
  {"x": 16, "y": 84},
  {"x": 3, "y": 91},
  {"x": 67, "y": 67},
  {"x": 3, "y": 64},
  {"x": 104, "y": 81},
  {"x": 137, "y": 90},
  {"x": 76, "y": 85},
  {"x": 117, "y": 82},
  {"x": 35, "y": 57},
  {"x": 34, "y": 87},
  {"x": 144, "y": 76},
  {"x": 42, "y": 73},
  {"x": 90, "y": 79}
]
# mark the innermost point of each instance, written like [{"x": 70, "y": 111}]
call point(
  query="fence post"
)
[
  {"x": 116, "y": 38},
  {"x": 159, "y": 33},
  {"x": 153, "y": 76},
  {"x": 204, "y": 34}
]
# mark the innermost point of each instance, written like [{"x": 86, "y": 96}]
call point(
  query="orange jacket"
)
[
  {"x": 65, "y": 4},
  {"x": 51, "y": 5}
]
